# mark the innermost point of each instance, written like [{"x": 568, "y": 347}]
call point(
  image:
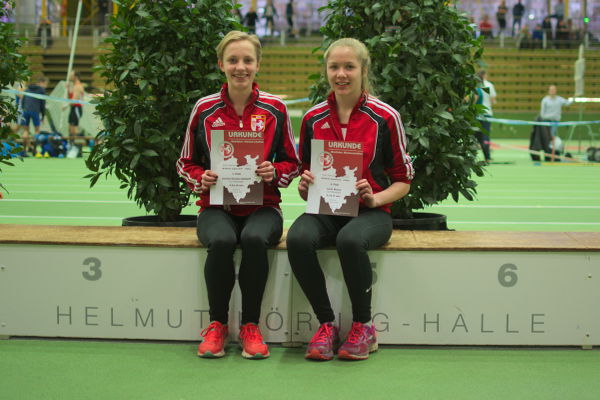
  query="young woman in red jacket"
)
[
  {"x": 350, "y": 113},
  {"x": 240, "y": 105}
]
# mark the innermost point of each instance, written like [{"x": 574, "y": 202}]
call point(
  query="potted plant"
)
[
  {"x": 162, "y": 59},
  {"x": 423, "y": 55},
  {"x": 13, "y": 68}
]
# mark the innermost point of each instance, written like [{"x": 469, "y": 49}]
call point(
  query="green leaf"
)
[
  {"x": 134, "y": 161},
  {"x": 137, "y": 128},
  {"x": 124, "y": 75},
  {"x": 162, "y": 181},
  {"x": 150, "y": 153},
  {"x": 445, "y": 115}
]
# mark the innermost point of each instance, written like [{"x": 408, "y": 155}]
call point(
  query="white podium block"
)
[
  {"x": 434, "y": 288},
  {"x": 122, "y": 292},
  {"x": 470, "y": 298}
]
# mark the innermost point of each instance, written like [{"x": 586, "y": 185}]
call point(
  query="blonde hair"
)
[
  {"x": 362, "y": 53},
  {"x": 235, "y": 36}
]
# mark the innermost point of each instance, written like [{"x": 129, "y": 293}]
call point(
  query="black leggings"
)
[
  {"x": 220, "y": 232},
  {"x": 371, "y": 229}
]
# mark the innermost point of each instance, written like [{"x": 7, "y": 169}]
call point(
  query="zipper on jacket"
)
[{"x": 241, "y": 123}]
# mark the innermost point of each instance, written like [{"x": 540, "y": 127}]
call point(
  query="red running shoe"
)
[
  {"x": 323, "y": 343},
  {"x": 362, "y": 340},
  {"x": 252, "y": 342},
  {"x": 215, "y": 338}
]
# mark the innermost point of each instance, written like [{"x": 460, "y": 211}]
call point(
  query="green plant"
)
[
  {"x": 13, "y": 68},
  {"x": 162, "y": 61},
  {"x": 423, "y": 56}
]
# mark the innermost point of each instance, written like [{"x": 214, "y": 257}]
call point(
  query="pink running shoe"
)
[
  {"x": 362, "y": 340},
  {"x": 252, "y": 342},
  {"x": 215, "y": 338},
  {"x": 323, "y": 343}
]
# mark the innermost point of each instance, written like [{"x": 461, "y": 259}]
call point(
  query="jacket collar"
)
[
  {"x": 253, "y": 97},
  {"x": 333, "y": 104}
]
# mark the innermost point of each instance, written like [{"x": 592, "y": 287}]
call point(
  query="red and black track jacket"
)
[
  {"x": 217, "y": 112},
  {"x": 376, "y": 125}
]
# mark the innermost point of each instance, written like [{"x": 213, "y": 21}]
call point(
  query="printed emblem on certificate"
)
[
  {"x": 234, "y": 156},
  {"x": 337, "y": 166}
]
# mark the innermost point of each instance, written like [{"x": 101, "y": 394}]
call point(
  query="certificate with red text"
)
[
  {"x": 234, "y": 157},
  {"x": 336, "y": 166}
]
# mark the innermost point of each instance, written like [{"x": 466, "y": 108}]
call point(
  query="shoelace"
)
[
  {"x": 251, "y": 332},
  {"x": 323, "y": 334},
  {"x": 356, "y": 333},
  {"x": 212, "y": 330}
]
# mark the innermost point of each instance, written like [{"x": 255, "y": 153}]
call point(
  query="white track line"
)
[{"x": 67, "y": 201}]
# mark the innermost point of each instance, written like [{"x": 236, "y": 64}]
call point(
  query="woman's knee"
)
[
  {"x": 349, "y": 242},
  {"x": 254, "y": 240},
  {"x": 220, "y": 243},
  {"x": 299, "y": 239}
]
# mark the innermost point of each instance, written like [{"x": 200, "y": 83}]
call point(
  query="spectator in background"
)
[
  {"x": 20, "y": 87},
  {"x": 289, "y": 14},
  {"x": 563, "y": 34},
  {"x": 518, "y": 11},
  {"x": 34, "y": 110},
  {"x": 524, "y": 39},
  {"x": 551, "y": 110},
  {"x": 250, "y": 20},
  {"x": 574, "y": 33},
  {"x": 559, "y": 11},
  {"x": 487, "y": 98},
  {"x": 485, "y": 27},
  {"x": 501, "y": 16},
  {"x": 45, "y": 28},
  {"x": 547, "y": 28},
  {"x": 75, "y": 91},
  {"x": 537, "y": 37},
  {"x": 270, "y": 14}
]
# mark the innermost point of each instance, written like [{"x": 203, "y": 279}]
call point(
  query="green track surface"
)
[
  {"x": 514, "y": 195},
  {"x": 50, "y": 369}
]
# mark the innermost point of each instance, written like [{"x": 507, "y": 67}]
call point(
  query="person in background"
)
[
  {"x": 487, "y": 99},
  {"x": 547, "y": 29},
  {"x": 524, "y": 38},
  {"x": 551, "y": 108},
  {"x": 563, "y": 35},
  {"x": 501, "y": 16},
  {"x": 19, "y": 87},
  {"x": 350, "y": 113},
  {"x": 559, "y": 11},
  {"x": 537, "y": 37},
  {"x": 518, "y": 11},
  {"x": 250, "y": 20},
  {"x": 289, "y": 14},
  {"x": 241, "y": 106},
  {"x": 75, "y": 91},
  {"x": 270, "y": 14},
  {"x": 486, "y": 28},
  {"x": 34, "y": 110}
]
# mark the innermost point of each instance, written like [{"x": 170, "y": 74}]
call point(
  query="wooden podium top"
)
[{"x": 400, "y": 241}]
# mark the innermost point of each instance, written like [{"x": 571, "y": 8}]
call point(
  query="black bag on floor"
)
[{"x": 540, "y": 140}]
